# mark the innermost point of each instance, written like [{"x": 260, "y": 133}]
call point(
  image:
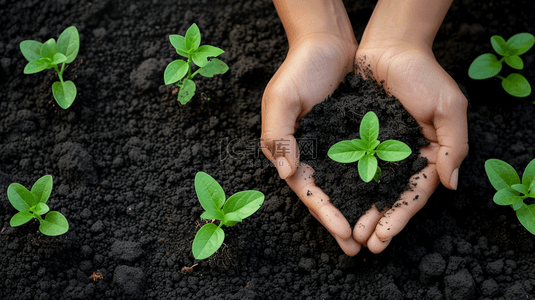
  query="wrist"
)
[
  {"x": 414, "y": 22},
  {"x": 308, "y": 19}
]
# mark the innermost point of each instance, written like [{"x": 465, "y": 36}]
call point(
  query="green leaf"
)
[
  {"x": 207, "y": 240},
  {"x": 529, "y": 174},
  {"x": 232, "y": 218},
  {"x": 392, "y": 150},
  {"x": 520, "y": 188},
  {"x": 372, "y": 145},
  {"x": 37, "y": 65},
  {"x": 526, "y": 216},
  {"x": 347, "y": 151},
  {"x": 506, "y": 196},
  {"x": 499, "y": 45},
  {"x": 200, "y": 56},
  {"x": 532, "y": 189},
  {"x": 210, "y": 193},
  {"x": 378, "y": 174},
  {"x": 69, "y": 43},
  {"x": 175, "y": 71},
  {"x": 187, "y": 91},
  {"x": 42, "y": 188},
  {"x": 31, "y": 50},
  {"x": 213, "y": 67},
  {"x": 64, "y": 93},
  {"x": 179, "y": 42},
  {"x": 192, "y": 38},
  {"x": 20, "y": 218},
  {"x": 520, "y": 43},
  {"x": 517, "y": 205},
  {"x": 516, "y": 85},
  {"x": 58, "y": 58},
  {"x": 485, "y": 66},
  {"x": 48, "y": 49},
  {"x": 244, "y": 203},
  {"x": 501, "y": 174},
  {"x": 515, "y": 62},
  {"x": 369, "y": 127},
  {"x": 213, "y": 214},
  {"x": 20, "y": 197},
  {"x": 367, "y": 167},
  {"x": 40, "y": 209},
  {"x": 54, "y": 224}
]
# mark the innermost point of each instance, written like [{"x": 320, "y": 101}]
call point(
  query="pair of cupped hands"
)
[{"x": 312, "y": 70}]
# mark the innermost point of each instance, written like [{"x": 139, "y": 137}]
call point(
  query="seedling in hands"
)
[
  {"x": 189, "y": 46},
  {"x": 364, "y": 149},
  {"x": 32, "y": 204},
  {"x": 487, "y": 65},
  {"x": 212, "y": 198},
  {"x": 511, "y": 191},
  {"x": 48, "y": 56}
]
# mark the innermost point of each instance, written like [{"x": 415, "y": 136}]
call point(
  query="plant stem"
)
[
  {"x": 60, "y": 74},
  {"x": 38, "y": 217},
  {"x": 501, "y": 77},
  {"x": 189, "y": 66}
]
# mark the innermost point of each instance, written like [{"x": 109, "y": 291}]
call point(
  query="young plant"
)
[
  {"x": 364, "y": 149},
  {"x": 487, "y": 65},
  {"x": 511, "y": 191},
  {"x": 32, "y": 204},
  {"x": 189, "y": 46},
  {"x": 48, "y": 56},
  {"x": 212, "y": 198}
]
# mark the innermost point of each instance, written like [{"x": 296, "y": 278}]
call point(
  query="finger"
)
[
  {"x": 423, "y": 185},
  {"x": 376, "y": 245},
  {"x": 452, "y": 135},
  {"x": 302, "y": 183},
  {"x": 349, "y": 246},
  {"x": 366, "y": 225}
]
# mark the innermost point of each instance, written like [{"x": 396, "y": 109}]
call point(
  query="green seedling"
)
[
  {"x": 180, "y": 71},
  {"x": 488, "y": 65},
  {"x": 511, "y": 191},
  {"x": 212, "y": 198},
  {"x": 48, "y": 56},
  {"x": 32, "y": 204},
  {"x": 364, "y": 149}
]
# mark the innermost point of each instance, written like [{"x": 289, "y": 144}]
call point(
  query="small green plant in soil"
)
[
  {"x": 49, "y": 55},
  {"x": 212, "y": 198},
  {"x": 181, "y": 71},
  {"x": 364, "y": 149},
  {"x": 488, "y": 65},
  {"x": 511, "y": 191},
  {"x": 32, "y": 204}
]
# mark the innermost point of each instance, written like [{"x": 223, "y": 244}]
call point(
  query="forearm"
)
[
  {"x": 414, "y": 21},
  {"x": 302, "y": 18}
]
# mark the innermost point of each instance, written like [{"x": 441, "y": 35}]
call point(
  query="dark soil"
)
[
  {"x": 337, "y": 119},
  {"x": 125, "y": 154}
]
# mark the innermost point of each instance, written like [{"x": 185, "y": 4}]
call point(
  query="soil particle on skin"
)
[{"x": 338, "y": 118}]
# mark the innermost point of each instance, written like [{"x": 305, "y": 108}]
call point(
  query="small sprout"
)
[
  {"x": 187, "y": 270},
  {"x": 511, "y": 191},
  {"x": 32, "y": 204},
  {"x": 49, "y": 55},
  {"x": 363, "y": 149},
  {"x": 212, "y": 198},
  {"x": 189, "y": 46},
  {"x": 487, "y": 65}
]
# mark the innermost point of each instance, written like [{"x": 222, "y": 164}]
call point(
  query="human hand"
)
[
  {"x": 312, "y": 70},
  {"x": 412, "y": 74}
]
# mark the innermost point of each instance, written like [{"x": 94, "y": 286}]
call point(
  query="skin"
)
[{"x": 396, "y": 48}]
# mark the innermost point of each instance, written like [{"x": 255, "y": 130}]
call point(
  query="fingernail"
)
[
  {"x": 283, "y": 167},
  {"x": 454, "y": 178}
]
